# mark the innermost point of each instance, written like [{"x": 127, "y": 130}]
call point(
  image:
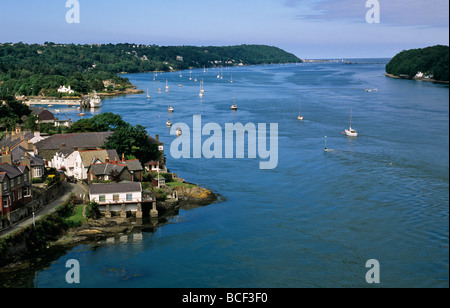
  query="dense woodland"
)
[
  {"x": 430, "y": 61},
  {"x": 40, "y": 69}
]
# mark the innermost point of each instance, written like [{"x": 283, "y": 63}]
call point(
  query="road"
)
[{"x": 49, "y": 208}]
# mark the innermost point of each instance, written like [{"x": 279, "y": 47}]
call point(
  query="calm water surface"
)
[{"x": 318, "y": 217}]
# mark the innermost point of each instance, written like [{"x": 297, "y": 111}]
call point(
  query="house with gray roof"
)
[{"x": 15, "y": 187}]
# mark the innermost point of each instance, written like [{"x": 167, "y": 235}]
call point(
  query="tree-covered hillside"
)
[
  {"x": 41, "y": 69},
  {"x": 430, "y": 61}
]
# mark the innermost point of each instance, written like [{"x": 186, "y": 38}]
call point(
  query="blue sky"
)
[{"x": 307, "y": 28}]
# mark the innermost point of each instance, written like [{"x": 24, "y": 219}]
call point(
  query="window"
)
[
  {"x": 37, "y": 172},
  {"x": 129, "y": 197},
  {"x": 25, "y": 177},
  {"x": 19, "y": 180},
  {"x": 27, "y": 191},
  {"x": 116, "y": 197},
  {"x": 12, "y": 183},
  {"x": 19, "y": 194},
  {"x": 5, "y": 186},
  {"x": 102, "y": 198}
]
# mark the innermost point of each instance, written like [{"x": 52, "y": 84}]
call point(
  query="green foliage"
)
[
  {"x": 41, "y": 69},
  {"x": 92, "y": 210},
  {"x": 99, "y": 123},
  {"x": 133, "y": 141},
  {"x": 430, "y": 61}
]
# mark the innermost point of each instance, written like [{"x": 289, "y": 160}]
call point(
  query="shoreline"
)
[
  {"x": 92, "y": 232},
  {"x": 416, "y": 79}
]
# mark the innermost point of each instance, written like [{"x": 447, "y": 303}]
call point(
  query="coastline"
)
[
  {"x": 416, "y": 79},
  {"x": 102, "y": 229}
]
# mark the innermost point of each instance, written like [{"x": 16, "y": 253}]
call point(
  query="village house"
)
[
  {"x": 22, "y": 156},
  {"x": 15, "y": 189},
  {"x": 64, "y": 89},
  {"x": 105, "y": 172},
  {"x": 84, "y": 159},
  {"x": 119, "y": 198}
]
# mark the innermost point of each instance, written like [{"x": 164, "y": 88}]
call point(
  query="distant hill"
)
[
  {"x": 431, "y": 61},
  {"x": 41, "y": 69}
]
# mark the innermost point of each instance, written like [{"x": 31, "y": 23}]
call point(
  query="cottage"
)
[
  {"x": 108, "y": 171},
  {"x": 64, "y": 89},
  {"x": 84, "y": 159},
  {"x": 118, "y": 198}
]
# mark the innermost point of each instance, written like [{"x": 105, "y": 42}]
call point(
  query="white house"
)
[
  {"x": 117, "y": 197},
  {"x": 63, "y": 89},
  {"x": 77, "y": 162}
]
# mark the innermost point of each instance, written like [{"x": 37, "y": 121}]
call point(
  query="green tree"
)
[{"x": 133, "y": 141}]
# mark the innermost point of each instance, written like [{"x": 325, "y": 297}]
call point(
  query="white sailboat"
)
[
  {"x": 351, "y": 132},
  {"x": 167, "y": 86},
  {"x": 179, "y": 131},
  {"x": 300, "y": 117},
  {"x": 148, "y": 95},
  {"x": 234, "y": 106},
  {"x": 169, "y": 123}
]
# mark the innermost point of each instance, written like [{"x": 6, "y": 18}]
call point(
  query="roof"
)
[
  {"x": 76, "y": 140},
  {"x": 96, "y": 189},
  {"x": 12, "y": 171},
  {"x": 88, "y": 157},
  {"x": 134, "y": 165}
]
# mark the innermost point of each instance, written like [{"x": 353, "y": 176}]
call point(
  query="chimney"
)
[
  {"x": 37, "y": 134},
  {"x": 107, "y": 158},
  {"x": 157, "y": 137},
  {"x": 75, "y": 149},
  {"x": 63, "y": 145},
  {"x": 6, "y": 157},
  {"x": 123, "y": 156}
]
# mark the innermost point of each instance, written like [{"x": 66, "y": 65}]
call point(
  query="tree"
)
[{"x": 133, "y": 141}]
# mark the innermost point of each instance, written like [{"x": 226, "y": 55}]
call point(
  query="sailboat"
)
[
  {"x": 201, "y": 89},
  {"x": 169, "y": 123},
  {"x": 300, "y": 117},
  {"x": 167, "y": 86},
  {"x": 234, "y": 106},
  {"x": 179, "y": 131},
  {"x": 351, "y": 132},
  {"x": 148, "y": 95}
]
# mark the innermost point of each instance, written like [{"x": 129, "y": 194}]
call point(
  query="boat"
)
[
  {"x": 234, "y": 106},
  {"x": 171, "y": 109},
  {"x": 201, "y": 89},
  {"x": 351, "y": 132},
  {"x": 148, "y": 95},
  {"x": 179, "y": 132},
  {"x": 300, "y": 117},
  {"x": 81, "y": 114},
  {"x": 169, "y": 123},
  {"x": 50, "y": 106},
  {"x": 95, "y": 101},
  {"x": 167, "y": 86}
]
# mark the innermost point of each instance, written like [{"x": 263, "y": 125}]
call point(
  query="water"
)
[{"x": 318, "y": 217}]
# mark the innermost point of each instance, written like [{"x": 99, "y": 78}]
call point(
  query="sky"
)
[{"x": 311, "y": 29}]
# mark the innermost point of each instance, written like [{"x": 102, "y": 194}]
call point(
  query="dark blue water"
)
[{"x": 318, "y": 217}]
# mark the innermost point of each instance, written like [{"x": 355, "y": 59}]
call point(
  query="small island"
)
[{"x": 427, "y": 64}]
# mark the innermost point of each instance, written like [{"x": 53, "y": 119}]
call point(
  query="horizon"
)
[{"x": 321, "y": 29}]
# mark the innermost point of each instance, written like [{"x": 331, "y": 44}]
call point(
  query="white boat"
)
[
  {"x": 179, "y": 132},
  {"x": 300, "y": 117},
  {"x": 201, "y": 89},
  {"x": 167, "y": 86},
  {"x": 234, "y": 106},
  {"x": 351, "y": 132},
  {"x": 169, "y": 123},
  {"x": 148, "y": 95},
  {"x": 95, "y": 101}
]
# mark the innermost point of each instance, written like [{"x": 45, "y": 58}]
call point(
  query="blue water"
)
[{"x": 318, "y": 217}]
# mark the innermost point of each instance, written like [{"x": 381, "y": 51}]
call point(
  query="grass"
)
[
  {"x": 178, "y": 184},
  {"x": 77, "y": 217}
]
